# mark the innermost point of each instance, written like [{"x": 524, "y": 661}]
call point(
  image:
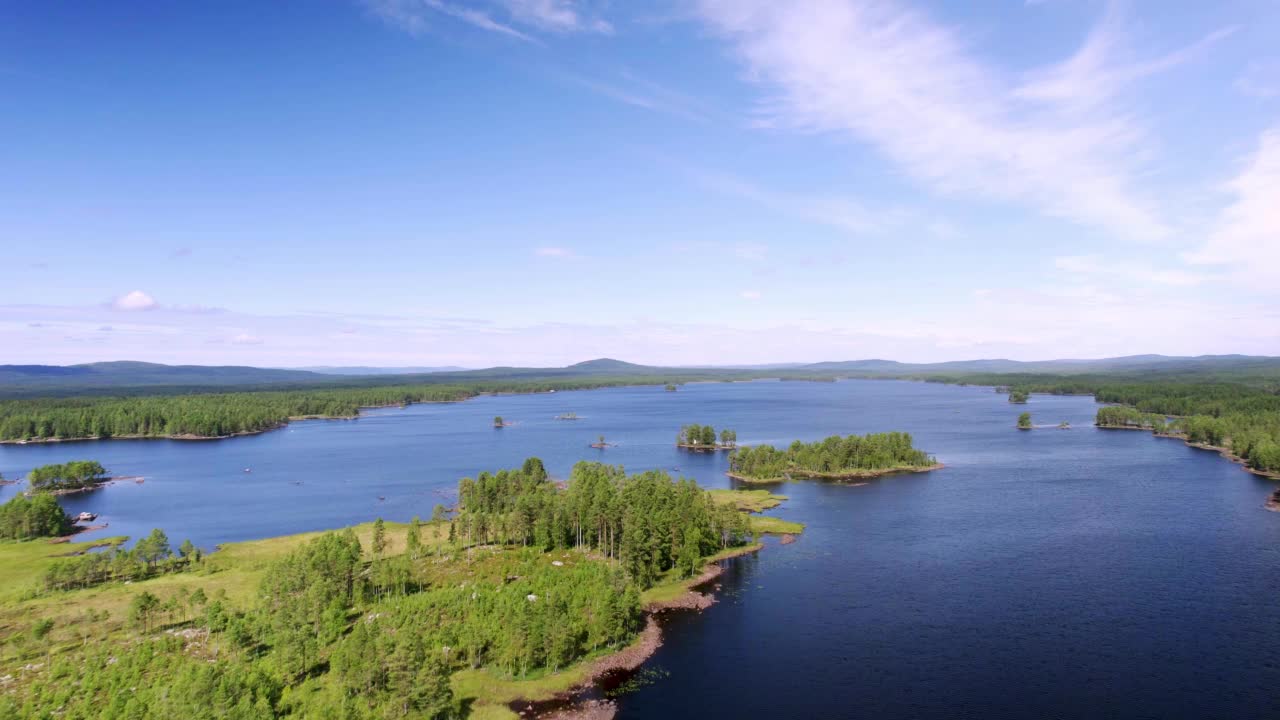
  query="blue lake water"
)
[{"x": 1044, "y": 574}]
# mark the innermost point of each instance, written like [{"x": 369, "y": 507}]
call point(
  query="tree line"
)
[
  {"x": 833, "y": 456},
  {"x": 149, "y": 557}
]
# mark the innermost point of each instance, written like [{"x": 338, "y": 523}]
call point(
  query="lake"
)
[{"x": 1047, "y": 574}]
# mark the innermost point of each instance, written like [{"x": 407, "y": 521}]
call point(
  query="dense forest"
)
[
  {"x": 649, "y": 522},
  {"x": 834, "y": 457},
  {"x": 534, "y": 576},
  {"x": 27, "y": 518},
  {"x": 212, "y": 415}
]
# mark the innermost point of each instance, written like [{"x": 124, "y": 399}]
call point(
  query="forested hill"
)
[
  {"x": 56, "y": 379},
  {"x": 138, "y": 378}
]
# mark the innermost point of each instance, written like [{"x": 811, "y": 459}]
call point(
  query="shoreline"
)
[
  {"x": 1222, "y": 451},
  {"x": 572, "y": 704},
  {"x": 837, "y": 477},
  {"x": 706, "y": 448}
]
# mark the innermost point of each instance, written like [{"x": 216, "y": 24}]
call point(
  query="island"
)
[
  {"x": 670, "y": 387},
  {"x": 1019, "y": 396},
  {"x": 1024, "y": 421},
  {"x": 528, "y": 592},
  {"x": 568, "y": 416},
  {"x": 498, "y": 422},
  {"x": 70, "y": 477},
  {"x": 703, "y": 438},
  {"x": 855, "y": 457}
]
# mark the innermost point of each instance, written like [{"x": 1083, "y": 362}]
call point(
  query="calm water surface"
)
[{"x": 1045, "y": 574}]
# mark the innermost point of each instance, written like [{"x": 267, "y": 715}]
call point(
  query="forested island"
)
[
  {"x": 526, "y": 592},
  {"x": 835, "y": 458},
  {"x": 1019, "y": 396},
  {"x": 72, "y": 476},
  {"x": 704, "y": 438},
  {"x": 1024, "y": 421}
]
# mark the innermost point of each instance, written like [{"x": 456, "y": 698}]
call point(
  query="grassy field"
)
[{"x": 752, "y": 501}]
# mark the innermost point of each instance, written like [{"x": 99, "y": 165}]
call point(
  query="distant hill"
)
[
  {"x": 122, "y": 374},
  {"x": 367, "y": 371},
  {"x": 151, "y": 378}
]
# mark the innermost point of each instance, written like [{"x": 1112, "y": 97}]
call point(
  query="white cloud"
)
[
  {"x": 246, "y": 339},
  {"x": 894, "y": 77},
  {"x": 751, "y": 295},
  {"x": 1247, "y": 234},
  {"x": 135, "y": 300}
]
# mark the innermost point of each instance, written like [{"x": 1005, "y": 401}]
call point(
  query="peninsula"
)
[{"x": 528, "y": 591}]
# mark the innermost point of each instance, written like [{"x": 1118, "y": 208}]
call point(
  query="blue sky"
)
[{"x": 537, "y": 182}]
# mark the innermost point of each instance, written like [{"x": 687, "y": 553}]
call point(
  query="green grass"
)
[
  {"x": 752, "y": 501},
  {"x": 765, "y": 525},
  {"x": 23, "y": 564}
]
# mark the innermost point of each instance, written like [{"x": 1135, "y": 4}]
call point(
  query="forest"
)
[
  {"x": 533, "y": 577},
  {"x": 834, "y": 457},
  {"x": 220, "y": 414},
  {"x": 37, "y": 516}
]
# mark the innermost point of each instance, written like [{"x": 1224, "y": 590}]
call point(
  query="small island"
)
[
  {"x": 670, "y": 387},
  {"x": 856, "y": 457},
  {"x": 1024, "y": 421},
  {"x": 703, "y": 438},
  {"x": 1019, "y": 396},
  {"x": 71, "y": 477},
  {"x": 568, "y": 416},
  {"x": 1064, "y": 425},
  {"x": 498, "y": 422},
  {"x": 601, "y": 443}
]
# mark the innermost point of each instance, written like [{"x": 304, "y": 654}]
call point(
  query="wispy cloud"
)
[
  {"x": 1247, "y": 234},
  {"x": 844, "y": 213},
  {"x": 246, "y": 339},
  {"x": 1129, "y": 271},
  {"x": 563, "y": 16},
  {"x": 752, "y": 294},
  {"x": 413, "y": 16},
  {"x": 556, "y": 252},
  {"x": 1261, "y": 79},
  {"x": 909, "y": 85},
  {"x": 629, "y": 89}
]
